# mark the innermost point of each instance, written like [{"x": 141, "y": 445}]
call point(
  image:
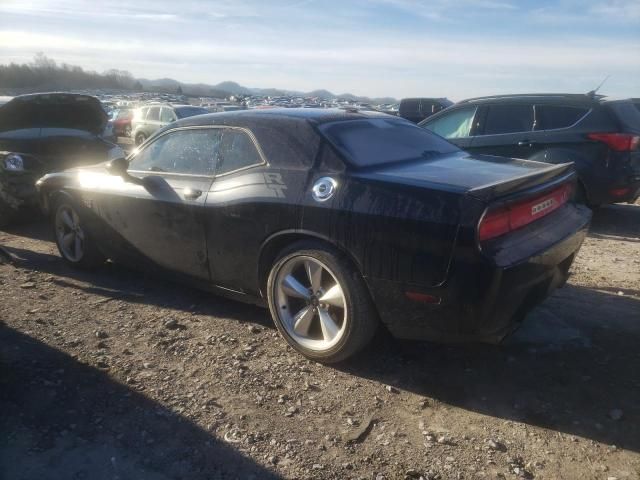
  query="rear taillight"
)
[
  {"x": 502, "y": 220},
  {"x": 620, "y": 142}
]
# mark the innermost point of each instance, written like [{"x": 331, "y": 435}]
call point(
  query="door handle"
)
[
  {"x": 525, "y": 143},
  {"x": 192, "y": 193}
]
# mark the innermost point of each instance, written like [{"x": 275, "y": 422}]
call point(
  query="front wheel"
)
[
  {"x": 320, "y": 303},
  {"x": 74, "y": 241},
  {"x": 140, "y": 138}
]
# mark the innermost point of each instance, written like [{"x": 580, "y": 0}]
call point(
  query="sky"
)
[{"x": 399, "y": 48}]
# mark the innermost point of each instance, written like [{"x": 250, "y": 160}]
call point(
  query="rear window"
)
[
  {"x": 376, "y": 141},
  {"x": 410, "y": 106},
  {"x": 184, "y": 112},
  {"x": 508, "y": 119},
  {"x": 551, "y": 117}
]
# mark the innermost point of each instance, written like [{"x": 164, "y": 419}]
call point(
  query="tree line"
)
[{"x": 45, "y": 74}]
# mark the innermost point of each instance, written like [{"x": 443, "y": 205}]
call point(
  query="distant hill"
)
[
  {"x": 44, "y": 74},
  {"x": 228, "y": 88}
]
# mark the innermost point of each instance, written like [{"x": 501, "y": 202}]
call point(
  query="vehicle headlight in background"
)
[
  {"x": 116, "y": 152},
  {"x": 14, "y": 162}
]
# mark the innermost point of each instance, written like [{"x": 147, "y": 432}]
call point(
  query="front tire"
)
[
  {"x": 320, "y": 303},
  {"x": 74, "y": 241},
  {"x": 140, "y": 138}
]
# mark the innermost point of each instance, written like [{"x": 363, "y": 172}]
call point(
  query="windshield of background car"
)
[
  {"x": 376, "y": 141},
  {"x": 184, "y": 112},
  {"x": 455, "y": 124}
]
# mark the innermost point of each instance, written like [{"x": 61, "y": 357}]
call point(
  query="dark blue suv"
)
[{"x": 601, "y": 137}]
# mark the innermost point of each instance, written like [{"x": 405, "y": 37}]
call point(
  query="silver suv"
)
[{"x": 150, "y": 118}]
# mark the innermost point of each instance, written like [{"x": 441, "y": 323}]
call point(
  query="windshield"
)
[
  {"x": 184, "y": 112},
  {"x": 374, "y": 141}
]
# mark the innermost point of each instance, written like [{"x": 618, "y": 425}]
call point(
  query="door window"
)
[
  {"x": 550, "y": 117},
  {"x": 508, "y": 119},
  {"x": 237, "y": 151},
  {"x": 192, "y": 152},
  {"x": 167, "y": 115},
  {"x": 153, "y": 114},
  {"x": 456, "y": 124}
]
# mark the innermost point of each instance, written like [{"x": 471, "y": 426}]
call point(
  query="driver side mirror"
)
[{"x": 118, "y": 167}]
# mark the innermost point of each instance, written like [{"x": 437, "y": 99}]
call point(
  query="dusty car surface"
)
[
  {"x": 42, "y": 133},
  {"x": 336, "y": 220}
]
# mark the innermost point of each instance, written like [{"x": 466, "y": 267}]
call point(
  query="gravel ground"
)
[{"x": 116, "y": 375}]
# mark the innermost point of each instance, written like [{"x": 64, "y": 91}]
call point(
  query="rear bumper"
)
[{"x": 487, "y": 295}]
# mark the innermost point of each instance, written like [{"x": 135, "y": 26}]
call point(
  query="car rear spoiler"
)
[{"x": 536, "y": 180}]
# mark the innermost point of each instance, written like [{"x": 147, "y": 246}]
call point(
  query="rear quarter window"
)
[{"x": 553, "y": 117}]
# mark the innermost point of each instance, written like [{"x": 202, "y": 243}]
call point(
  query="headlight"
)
[{"x": 14, "y": 163}]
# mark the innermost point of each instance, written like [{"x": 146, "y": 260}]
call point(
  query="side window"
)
[
  {"x": 167, "y": 115},
  {"x": 237, "y": 150},
  {"x": 550, "y": 117},
  {"x": 508, "y": 119},
  {"x": 455, "y": 124},
  {"x": 140, "y": 114},
  {"x": 153, "y": 114},
  {"x": 192, "y": 152}
]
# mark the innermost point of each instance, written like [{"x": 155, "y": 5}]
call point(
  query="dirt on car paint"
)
[{"x": 114, "y": 374}]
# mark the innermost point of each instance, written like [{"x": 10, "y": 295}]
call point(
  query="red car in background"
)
[{"x": 121, "y": 121}]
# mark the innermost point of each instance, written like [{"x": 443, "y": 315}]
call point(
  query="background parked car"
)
[
  {"x": 43, "y": 133},
  {"x": 600, "y": 136},
  {"x": 417, "y": 109},
  {"x": 121, "y": 121},
  {"x": 151, "y": 118}
]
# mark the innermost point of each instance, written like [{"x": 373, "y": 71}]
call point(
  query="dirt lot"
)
[{"x": 115, "y": 375}]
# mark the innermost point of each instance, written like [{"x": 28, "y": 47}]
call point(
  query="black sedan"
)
[{"x": 336, "y": 220}]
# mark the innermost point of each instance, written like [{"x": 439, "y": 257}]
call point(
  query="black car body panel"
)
[
  {"x": 556, "y": 129},
  {"x": 50, "y": 132},
  {"x": 407, "y": 226}
]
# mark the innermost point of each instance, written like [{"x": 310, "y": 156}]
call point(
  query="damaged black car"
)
[
  {"x": 336, "y": 220},
  {"x": 42, "y": 133}
]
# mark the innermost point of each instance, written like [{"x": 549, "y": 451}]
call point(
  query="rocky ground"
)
[{"x": 115, "y": 375}]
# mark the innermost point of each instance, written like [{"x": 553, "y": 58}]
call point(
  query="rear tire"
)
[
  {"x": 73, "y": 239},
  {"x": 127, "y": 131},
  {"x": 320, "y": 303}
]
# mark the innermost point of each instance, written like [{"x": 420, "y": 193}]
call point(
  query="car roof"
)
[
  {"x": 537, "y": 97},
  {"x": 313, "y": 115}
]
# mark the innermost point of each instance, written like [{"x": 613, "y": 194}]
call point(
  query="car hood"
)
[
  {"x": 482, "y": 176},
  {"x": 53, "y": 110}
]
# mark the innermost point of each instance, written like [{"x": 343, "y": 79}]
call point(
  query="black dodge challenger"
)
[{"x": 338, "y": 220}]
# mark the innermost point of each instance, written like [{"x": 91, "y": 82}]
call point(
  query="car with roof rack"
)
[{"x": 600, "y": 136}]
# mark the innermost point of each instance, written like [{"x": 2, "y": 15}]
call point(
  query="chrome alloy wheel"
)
[
  {"x": 310, "y": 303},
  {"x": 69, "y": 233}
]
